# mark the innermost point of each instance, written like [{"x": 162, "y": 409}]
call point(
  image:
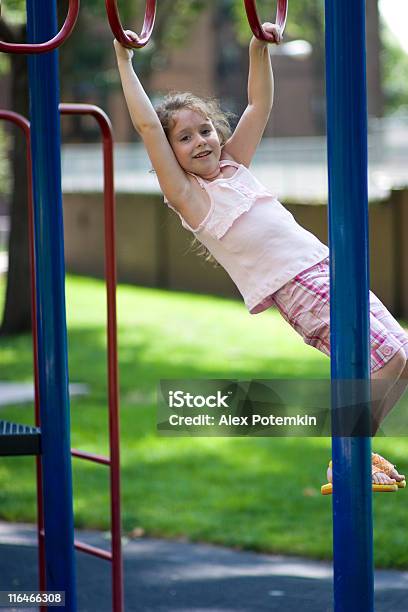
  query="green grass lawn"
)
[{"x": 256, "y": 493}]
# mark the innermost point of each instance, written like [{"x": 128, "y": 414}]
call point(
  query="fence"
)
[{"x": 153, "y": 249}]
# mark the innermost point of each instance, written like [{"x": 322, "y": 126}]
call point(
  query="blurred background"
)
[{"x": 203, "y": 47}]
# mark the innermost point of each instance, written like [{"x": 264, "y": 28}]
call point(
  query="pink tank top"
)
[{"x": 253, "y": 237}]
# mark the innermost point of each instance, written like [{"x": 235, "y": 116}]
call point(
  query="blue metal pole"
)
[
  {"x": 349, "y": 311},
  {"x": 51, "y": 323}
]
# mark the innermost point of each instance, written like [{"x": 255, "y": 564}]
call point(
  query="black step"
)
[{"x": 18, "y": 439}]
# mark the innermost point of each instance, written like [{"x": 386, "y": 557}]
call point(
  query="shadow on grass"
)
[
  {"x": 141, "y": 362},
  {"x": 257, "y": 493}
]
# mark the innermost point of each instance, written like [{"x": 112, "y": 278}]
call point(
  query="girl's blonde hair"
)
[{"x": 209, "y": 108}]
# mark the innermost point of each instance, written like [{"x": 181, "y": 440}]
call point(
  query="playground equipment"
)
[
  {"x": 19, "y": 440},
  {"x": 50, "y": 45},
  {"x": 255, "y": 23},
  {"x": 51, "y": 441},
  {"x": 349, "y": 299},
  {"x": 348, "y": 241},
  {"x": 118, "y": 31}
]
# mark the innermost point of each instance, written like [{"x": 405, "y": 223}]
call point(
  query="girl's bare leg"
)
[
  {"x": 395, "y": 378},
  {"x": 396, "y": 370}
]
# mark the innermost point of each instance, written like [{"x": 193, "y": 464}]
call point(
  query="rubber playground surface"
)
[{"x": 178, "y": 576}]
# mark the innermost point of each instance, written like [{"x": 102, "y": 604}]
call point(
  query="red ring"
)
[
  {"x": 117, "y": 28},
  {"x": 52, "y": 44},
  {"x": 256, "y": 26}
]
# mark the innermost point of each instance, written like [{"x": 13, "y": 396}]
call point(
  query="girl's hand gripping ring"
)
[
  {"x": 117, "y": 28},
  {"x": 254, "y": 22}
]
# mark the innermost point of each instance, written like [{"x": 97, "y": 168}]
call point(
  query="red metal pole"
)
[
  {"x": 255, "y": 23},
  {"x": 113, "y": 385},
  {"x": 24, "y": 124}
]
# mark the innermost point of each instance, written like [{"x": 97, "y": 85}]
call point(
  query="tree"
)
[{"x": 16, "y": 316}]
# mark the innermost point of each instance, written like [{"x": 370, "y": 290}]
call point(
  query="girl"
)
[{"x": 203, "y": 172}]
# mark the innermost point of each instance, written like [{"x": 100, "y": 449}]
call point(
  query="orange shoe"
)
[
  {"x": 327, "y": 489},
  {"x": 389, "y": 469}
]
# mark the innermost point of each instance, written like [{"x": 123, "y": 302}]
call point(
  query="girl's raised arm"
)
[
  {"x": 248, "y": 133},
  {"x": 172, "y": 178}
]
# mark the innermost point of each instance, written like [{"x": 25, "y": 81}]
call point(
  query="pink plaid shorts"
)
[{"x": 304, "y": 303}]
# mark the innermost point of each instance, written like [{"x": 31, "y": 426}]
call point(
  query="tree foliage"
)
[{"x": 394, "y": 64}]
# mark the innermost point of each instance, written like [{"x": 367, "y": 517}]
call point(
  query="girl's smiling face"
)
[{"x": 195, "y": 143}]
